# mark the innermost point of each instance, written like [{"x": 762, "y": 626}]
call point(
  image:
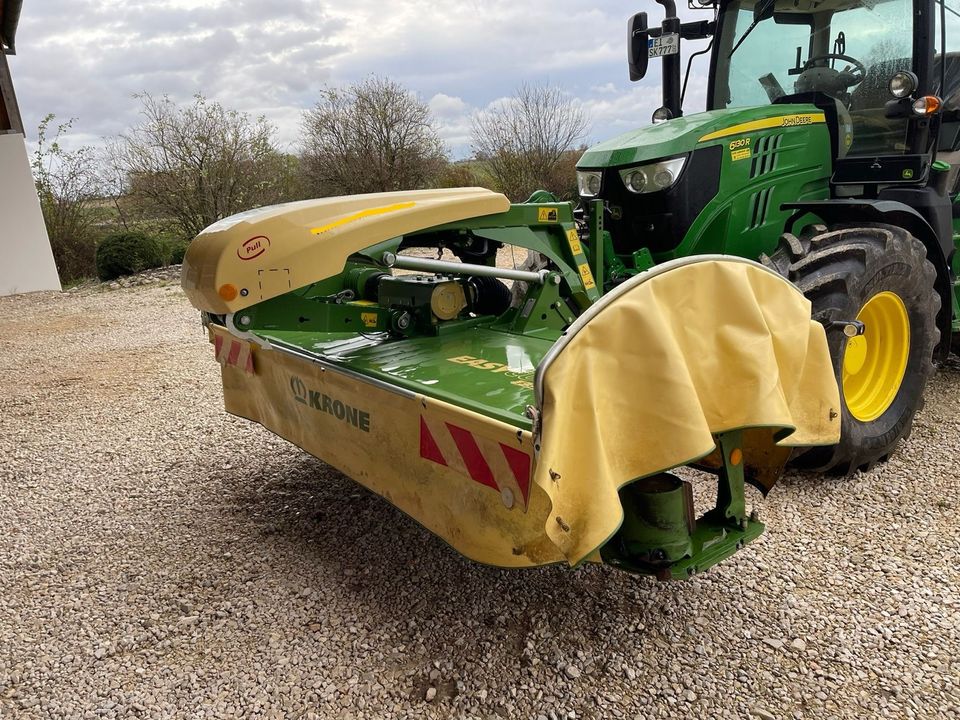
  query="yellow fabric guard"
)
[{"x": 660, "y": 366}]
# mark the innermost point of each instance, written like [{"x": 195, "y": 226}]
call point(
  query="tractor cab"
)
[
  {"x": 873, "y": 86},
  {"x": 847, "y": 50},
  {"x": 828, "y": 149},
  {"x": 874, "y": 60},
  {"x": 886, "y": 72}
]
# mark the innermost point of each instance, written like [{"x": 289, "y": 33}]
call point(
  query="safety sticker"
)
[
  {"x": 233, "y": 352},
  {"x": 739, "y": 149},
  {"x": 547, "y": 215},
  {"x": 586, "y": 276},
  {"x": 369, "y": 319},
  {"x": 485, "y": 461}
]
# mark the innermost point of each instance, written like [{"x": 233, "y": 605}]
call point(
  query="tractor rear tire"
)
[{"x": 880, "y": 275}]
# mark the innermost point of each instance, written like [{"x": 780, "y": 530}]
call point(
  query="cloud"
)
[
  {"x": 442, "y": 105},
  {"x": 452, "y": 118},
  {"x": 87, "y": 58},
  {"x": 605, "y": 89}
]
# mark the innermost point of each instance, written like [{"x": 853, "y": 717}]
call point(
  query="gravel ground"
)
[{"x": 159, "y": 558}]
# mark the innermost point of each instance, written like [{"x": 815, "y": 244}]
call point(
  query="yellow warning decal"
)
[
  {"x": 742, "y": 154},
  {"x": 362, "y": 214},
  {"x": 574, "y": 241},
  {"x": 369, "y": 319},
  {"x": 767, "y": 123},
  {"x": 547, "y": 215},
  {"x": 586, "y": 276}
]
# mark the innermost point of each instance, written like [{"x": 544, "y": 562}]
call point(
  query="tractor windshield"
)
[{"x": 846, "y": 49}]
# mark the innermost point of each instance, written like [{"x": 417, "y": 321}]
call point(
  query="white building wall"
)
[{"x": 26, "y": 261}]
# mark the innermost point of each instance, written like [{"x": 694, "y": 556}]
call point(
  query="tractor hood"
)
[{"x": 681, "y": 135}]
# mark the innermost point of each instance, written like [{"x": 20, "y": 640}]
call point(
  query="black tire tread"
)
[{"x": 826, "y": 264}]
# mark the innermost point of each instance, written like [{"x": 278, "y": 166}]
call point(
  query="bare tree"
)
[
  {"x": 525, "y": 139},
  {"x": 372, "y": 136},
  {"x": 190, "y": 166},
  {"x": 67, "y": 187},
  {"x": 113, "y": 182}
]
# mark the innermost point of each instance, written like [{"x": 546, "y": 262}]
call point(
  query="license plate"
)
[{"x": 668, "y": 44}]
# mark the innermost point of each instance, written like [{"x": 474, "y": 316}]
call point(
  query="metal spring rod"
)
[{"x": 408, "y": 262}]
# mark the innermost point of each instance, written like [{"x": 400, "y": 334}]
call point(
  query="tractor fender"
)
[{"x": 892, "y": 212}]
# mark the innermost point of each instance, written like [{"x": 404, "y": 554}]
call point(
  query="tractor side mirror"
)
[{"x": 637, "y": 41}]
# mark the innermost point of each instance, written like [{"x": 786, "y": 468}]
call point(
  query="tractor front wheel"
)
[{"x": 878, "y": 275}]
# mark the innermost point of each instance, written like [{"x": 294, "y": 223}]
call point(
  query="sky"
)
[{"x": 85, "y": 59}]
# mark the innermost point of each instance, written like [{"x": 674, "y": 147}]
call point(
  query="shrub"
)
[
  {"x": 466, "y": 173},
  {"x": 177, "y": 252},
  {"x": 174, "y": 250},
  {"x": 67, "y": 188},
  {"x": 72, "y": 253},
  {"x": 126, "y": 253}
]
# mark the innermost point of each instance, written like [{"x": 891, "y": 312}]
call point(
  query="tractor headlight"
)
[
  {"x": 651, "y": 178},
  {"x": 635, "y": 181},
  {"x": 588, "y": 183}
]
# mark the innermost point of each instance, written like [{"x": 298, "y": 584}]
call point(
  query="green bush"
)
[
  {"x": 179, "y": 250},
  {"x": 173, "y": 250},
  {"x": 126, "y": 253}
]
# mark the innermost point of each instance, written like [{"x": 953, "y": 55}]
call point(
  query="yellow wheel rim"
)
[{"x": 874, "y": 363}]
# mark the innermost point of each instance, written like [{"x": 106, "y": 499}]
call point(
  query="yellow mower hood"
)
[{"x": 260, "y": 254}]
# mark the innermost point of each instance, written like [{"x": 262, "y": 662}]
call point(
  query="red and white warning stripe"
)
[
  {"x": 233, "y": 352},
  {"x": 488, "y": 462}
]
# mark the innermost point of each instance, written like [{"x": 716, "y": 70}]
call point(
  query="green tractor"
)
[
  {"x": 827, "y": 152},
  {"x": 766, "y": 281}
]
